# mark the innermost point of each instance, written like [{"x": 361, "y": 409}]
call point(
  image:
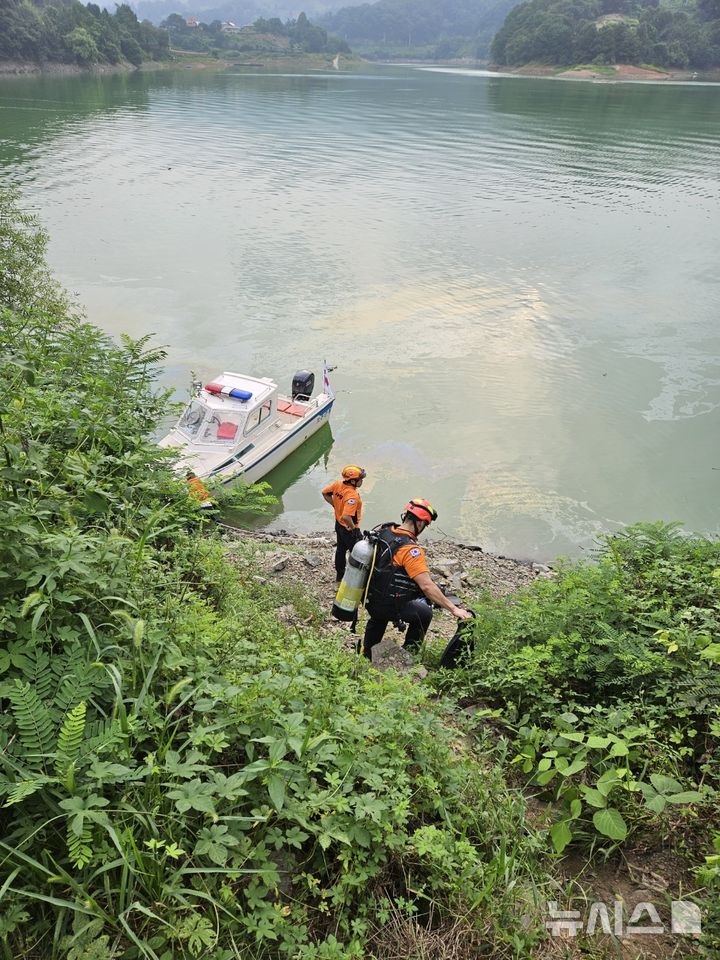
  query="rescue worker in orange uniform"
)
[
  {"x": 344, "y": 497},
  {"x": 198, "y": 491},
  {"x": 401, "y": 588}
]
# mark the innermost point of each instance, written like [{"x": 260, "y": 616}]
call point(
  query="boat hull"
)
[{"x": 251, "y": 472}]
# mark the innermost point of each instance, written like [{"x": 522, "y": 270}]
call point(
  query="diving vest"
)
[{"x": 390, "y": 586}]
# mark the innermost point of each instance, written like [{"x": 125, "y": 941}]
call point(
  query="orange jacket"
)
[
  {"x": 411, "y": 556},
  {"x": 346, "y": 501},
  {"x": 197, "y": 489}
]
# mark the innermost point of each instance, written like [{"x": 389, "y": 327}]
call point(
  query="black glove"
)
[{"x": 357, "y": 535}]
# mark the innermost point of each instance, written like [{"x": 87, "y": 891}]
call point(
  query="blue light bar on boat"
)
[{"x": 235, "y": 392}]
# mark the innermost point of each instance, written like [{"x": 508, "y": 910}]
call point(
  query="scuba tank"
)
[{"x": 352, "y": 585}]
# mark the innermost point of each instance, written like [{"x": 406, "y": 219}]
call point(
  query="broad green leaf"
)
[
  {"x": 544, "y": 764},
  {"x": 687, "y": 796},
  {"x": 607, "y": 781},
  {"x": 597, "y": 743},
  {"x": 610, "y": 823},
  {"x": 561, "y": 835},
  {"x": 593, "y": 797},
  {"x": 568, "y": 718},
  {"x": 619, "y": 749},
  {"x": 575, "y": 808},
  {"x": 572, "y": 736},
  {"x": 276, "y": 789},
  {"x": 278, "y": 749},
  {"x": 665, "y": 784},
  {"x": 712, "y": 652},
  {"x": 657, "y": 803},
  {"x": 545, "y": 777},
  {"x": 575, "y": 767}
]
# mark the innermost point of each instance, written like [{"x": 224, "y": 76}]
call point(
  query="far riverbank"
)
[
  {"x": 182, "y": 60},
  {"x": 609, "y": 72}
]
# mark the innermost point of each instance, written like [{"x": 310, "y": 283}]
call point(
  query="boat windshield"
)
[
  {"x": 221, "y": 428},
  {"x": 192, "y": 418}
]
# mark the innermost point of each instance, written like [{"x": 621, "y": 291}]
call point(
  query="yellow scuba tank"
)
[{"x": 352, "y": 585}]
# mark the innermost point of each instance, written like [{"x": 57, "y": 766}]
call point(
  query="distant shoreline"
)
[
  {"x": 596, "y": 72},
  {"x": 610, "y": 72},
  {"x": 24, "y": 68},
  {"x": 188, "y": 60},
  {"x": 182, "y": 60}
]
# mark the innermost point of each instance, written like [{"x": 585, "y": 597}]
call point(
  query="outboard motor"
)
[{"x": 303, "y": 385}]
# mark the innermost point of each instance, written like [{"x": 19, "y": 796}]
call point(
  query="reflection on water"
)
[
  {"x": 298, "y": 465},
  {"x": 517, "y": 279}
]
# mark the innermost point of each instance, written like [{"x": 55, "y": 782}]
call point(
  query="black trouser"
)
[
  {"x": 416, "y": 613},
  {"x": 346, "y": 540}
]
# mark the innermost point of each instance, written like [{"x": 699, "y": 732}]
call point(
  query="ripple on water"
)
[{"x": 517, "y": 280}]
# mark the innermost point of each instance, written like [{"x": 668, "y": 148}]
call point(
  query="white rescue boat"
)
[{"x": 240, "y": 426}]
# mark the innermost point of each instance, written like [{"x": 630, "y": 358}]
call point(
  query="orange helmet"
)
[
  {"x": 353, "y": 472},
  {"x": 422, "y": 509}
]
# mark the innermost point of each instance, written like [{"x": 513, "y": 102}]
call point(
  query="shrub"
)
[{"x": 607, "y": 679}]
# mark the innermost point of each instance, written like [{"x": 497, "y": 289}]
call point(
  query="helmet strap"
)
[{"x": 414, "y": 520}]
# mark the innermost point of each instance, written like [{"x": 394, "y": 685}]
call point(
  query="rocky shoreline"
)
[{"x": 305, "y": 561}]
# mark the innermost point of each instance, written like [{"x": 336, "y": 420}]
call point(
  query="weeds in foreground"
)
[{"x": 605, "y": 680}]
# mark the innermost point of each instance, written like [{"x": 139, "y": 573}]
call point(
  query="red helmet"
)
[
  {"x": 353, "y": 472},
  {"x": 422, "y": 509}
]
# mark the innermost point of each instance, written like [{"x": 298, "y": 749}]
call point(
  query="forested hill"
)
[
  {"x": 239, "y": 11},
  {"x": 66, "y": 31},
  {"x": 611, "y": 31},
  {"x": 433, "y": 28},
  {"x": 271, "y": 37}
]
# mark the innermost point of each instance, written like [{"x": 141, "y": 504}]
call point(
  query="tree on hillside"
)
[
  {"x": 65, "y": 31},
  {"x": 579, "y": 31}
]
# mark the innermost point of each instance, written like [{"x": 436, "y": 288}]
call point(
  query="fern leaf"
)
[
  {"x": 38, "y": 672},
  {"x": 32, "y": 718},
  {"x": 79, "y": 848},
  {"x": 101, "y": 736},
  {"x": 26, "y": 788},
  {"x": 70, "y": 739},
  {"x": 78, "y": 684}
]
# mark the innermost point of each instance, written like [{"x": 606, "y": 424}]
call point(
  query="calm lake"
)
[{"x": 517, "y": 279}]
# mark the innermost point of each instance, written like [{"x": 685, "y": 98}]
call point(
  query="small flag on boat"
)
[{"x": 326, "y": 382}]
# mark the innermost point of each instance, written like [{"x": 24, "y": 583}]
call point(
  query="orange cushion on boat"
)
[
  {"x": 284, "y": 406},
  {"x": 296, "y": 411},
  {"x": 226, "y": 430}
]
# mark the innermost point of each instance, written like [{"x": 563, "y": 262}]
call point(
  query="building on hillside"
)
[
  {"x": 227, "y": 26},
  {"x": 192, "y": 22}
]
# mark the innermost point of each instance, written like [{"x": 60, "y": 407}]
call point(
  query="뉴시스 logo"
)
[{"x": 685, "y": 920}]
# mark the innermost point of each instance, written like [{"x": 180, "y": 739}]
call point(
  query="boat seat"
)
[
  {"x": 227, "y": 430},
  {"x": 294, "y": 409}
]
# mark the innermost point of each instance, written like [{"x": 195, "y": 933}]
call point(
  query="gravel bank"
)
[{"x": 307, "y": 561}]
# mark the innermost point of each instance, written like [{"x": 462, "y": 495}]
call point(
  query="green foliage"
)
[
  {"x": 421, "y": 28},
  {"x": 266, "y": 36},
  {"x": 609, "y": 31},
  {"x": 709, "y": 876},
  {"x": 181, "y": 775},
  {"x": 607, "y": 680},
  {"x": 66, "y": 31}
]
